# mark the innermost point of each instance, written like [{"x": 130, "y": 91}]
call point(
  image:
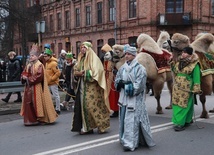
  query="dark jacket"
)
[{"x": 14, "y": 70}]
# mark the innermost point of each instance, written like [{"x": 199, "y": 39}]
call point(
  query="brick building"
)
[{"x": 70, "y": 22}]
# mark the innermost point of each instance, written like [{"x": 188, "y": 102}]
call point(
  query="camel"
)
[
  {"x": 155, "y": 75},
  {"x": 162, "y": 40},
  {"x": 200, "y": 46}
]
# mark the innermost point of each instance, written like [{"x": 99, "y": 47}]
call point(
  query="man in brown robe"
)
[{"x": 37, "y": 105}]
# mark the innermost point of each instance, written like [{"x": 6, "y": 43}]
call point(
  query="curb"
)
[{"x": 7, "y": 112}]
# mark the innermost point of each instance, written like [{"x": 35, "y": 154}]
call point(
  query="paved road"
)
[{"x": 57, "y": 139}]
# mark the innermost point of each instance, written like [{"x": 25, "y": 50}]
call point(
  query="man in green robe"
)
[{"x": 187, "y": 80}]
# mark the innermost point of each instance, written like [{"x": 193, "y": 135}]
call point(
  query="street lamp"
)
[{"x": 40, "y": 28}]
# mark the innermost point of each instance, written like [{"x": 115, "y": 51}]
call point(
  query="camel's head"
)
[
  {"x": 179, "y": 41},
  {"x": 162, "y": 40},
  {"x": 166, "y": 45},
  {"x": 115, "y": 54},
  {"x": 106, "y": 49},
  {"x": 118, "y": 50}
]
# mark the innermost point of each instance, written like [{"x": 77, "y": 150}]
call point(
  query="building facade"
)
[{"x": 70, "y": 22}]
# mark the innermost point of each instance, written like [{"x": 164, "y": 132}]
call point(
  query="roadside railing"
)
[{"x": 7, "y": 87}]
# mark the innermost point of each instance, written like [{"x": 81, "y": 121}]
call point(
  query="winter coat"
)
[{"x": 52, "y": 71}]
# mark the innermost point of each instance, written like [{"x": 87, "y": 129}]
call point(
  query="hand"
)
[
  {"x": 120, "y": 85},
  {"x": 83, "y": 72},
  {"x": 24, "y": 77},
  {"x": 197, "y": 92}
]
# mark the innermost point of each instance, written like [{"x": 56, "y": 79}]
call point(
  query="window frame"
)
[
  {"x": 51, "y": 26},
  {"x": 176, "y": 6},
  {"x": 67, "y": 20},
  {"x": 132, "y": 8},
  {"x": 88, "y": 15},
  {"x": 77, "y": 11},
  {"x": 111, "y": 10},
  {"x": 99, "y": 12},
  {"x": 59, "y": 21}
]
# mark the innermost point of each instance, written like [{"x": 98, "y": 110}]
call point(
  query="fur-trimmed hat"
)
[
  {"x": 63, "y": 52},
  {"x": 69, "y": 56},
  {"x": 106, "y": 48},
  {"x": 188, "y": 50},
  {"x": 131, "y": 50}
]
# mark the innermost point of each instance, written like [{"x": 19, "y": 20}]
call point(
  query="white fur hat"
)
[
  {"x": 63, "y": 52},
  {"x": 131, "y": 50}
]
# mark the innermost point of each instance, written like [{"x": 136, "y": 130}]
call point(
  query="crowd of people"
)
[{"x": 89, "y": 83}]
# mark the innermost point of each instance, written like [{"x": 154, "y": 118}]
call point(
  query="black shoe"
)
[
  {"x": 188, "y": 124},
  {"x": 18, "y": 100},
  {"x": 179, "y": 128},
  {"x": 5, "y": 100},
  {"x": 126, "y": 149},
  {"x": 115, "y": 114},
  {"x": 86, "y": 133},
  {"x": 58, "y": 112}
]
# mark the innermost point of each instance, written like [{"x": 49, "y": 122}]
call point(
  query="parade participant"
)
[
  {"x": 186, "y": 84},
  {"x": 14, "y": 73},
  {"x": 41, "y": 56},
  {"x": 52, "y": 75},
  {"x": 61, "y": 59},
  {"x": 110, "y": 77},
  {"x": 91, "y": 109},
  {"x": 37, "y": 106},
  {"x": 68, "y": 74},
  {"x": 134, "y": 125}
]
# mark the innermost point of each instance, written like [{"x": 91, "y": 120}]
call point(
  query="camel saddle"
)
[
  {"x": 161, "y": 60},
  {"x": 206, "y": 61}
]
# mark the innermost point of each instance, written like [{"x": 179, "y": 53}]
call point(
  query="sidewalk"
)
[{"x": 11, "y": 107}]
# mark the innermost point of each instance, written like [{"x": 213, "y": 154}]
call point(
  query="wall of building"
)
[{"x": 125, "y": 27}]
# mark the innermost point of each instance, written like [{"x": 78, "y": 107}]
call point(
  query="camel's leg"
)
[
  {"x": 169, "y": 85},
  {"x": 157, "y": 87},
  {"x": 204, "y": 113},
  {"x": 159, "y": 108}
]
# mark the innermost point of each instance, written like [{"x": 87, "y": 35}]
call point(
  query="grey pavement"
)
[{"x": 11, "y": 107}]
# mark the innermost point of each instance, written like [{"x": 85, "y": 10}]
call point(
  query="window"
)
[
  {"x": 59, "y": 48},
  {"x": 46, "y": 26},
  {"x": 99, "y": 46},
  {"x": 78, "y": 44},
  {"x": 88, "y": 15},
  {"x": 111, "y": 42},
  {"x": 59, "y": 21},
  {"x": 67, "y": 20},
  {"x": 213, "y": 7},
  {"x": 174, "y": 6},
  {"x": 77, "y": 17},
  {"x": 132, "y": 8},
  {"x": 111, "y": 10},
  {"x": 99, "y": 13},
  {"x": 132, "y": 41},
  {"x": 51, "y": 26}
]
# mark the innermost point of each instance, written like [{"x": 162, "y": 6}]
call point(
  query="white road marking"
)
[{"x": 104, "y": 141}]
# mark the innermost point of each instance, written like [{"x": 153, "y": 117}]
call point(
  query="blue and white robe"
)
[{"x": 134, "y": 125}]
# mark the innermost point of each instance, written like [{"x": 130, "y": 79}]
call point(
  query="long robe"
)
[
  {"x": 113, "y": 94},
  {"x": 37, "y": 105},
  {"x": 187, "y": 80},
  {"x": 134, "y": 125},
  {"x": 91, "y": 109}
]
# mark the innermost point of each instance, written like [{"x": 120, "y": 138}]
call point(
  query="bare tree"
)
[{"x": 18, "y": 20}]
